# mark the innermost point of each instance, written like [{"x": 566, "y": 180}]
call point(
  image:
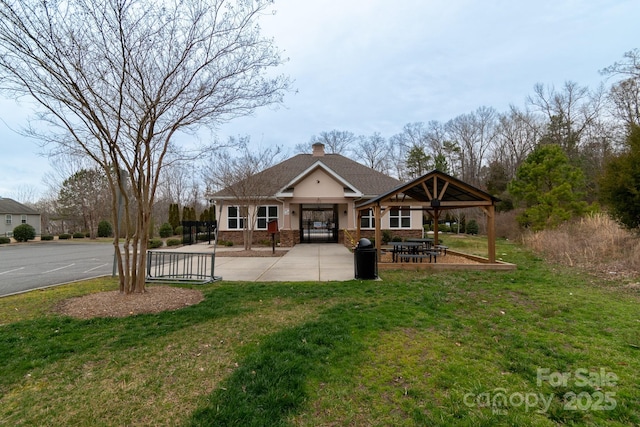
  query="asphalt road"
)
[{"x": 25, "y": 267}]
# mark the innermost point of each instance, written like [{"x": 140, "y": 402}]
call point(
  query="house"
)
[
  {"x": 13, "y": 214},
  {"x": 313, "y": 197}
]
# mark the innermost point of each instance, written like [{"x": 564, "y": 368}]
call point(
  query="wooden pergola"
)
[{"x": 434, "y": 192}]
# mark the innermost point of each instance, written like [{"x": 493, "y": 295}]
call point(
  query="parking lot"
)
[{"x": 36, "y": 265}]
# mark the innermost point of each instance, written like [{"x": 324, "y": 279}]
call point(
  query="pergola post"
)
[
  {"x": 491, "y": 233},
  {"x": 436, "y": 215},
  {"x": 377, "y": 215}
]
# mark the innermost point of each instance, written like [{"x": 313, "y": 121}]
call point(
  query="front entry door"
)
[{"x": 319, "y": 224}]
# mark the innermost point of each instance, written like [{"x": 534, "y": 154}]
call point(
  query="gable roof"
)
[
  {"x": 448, "y": 192},
  {"x": 355, "y": 177},
  {"x": 10, "y": 206}
]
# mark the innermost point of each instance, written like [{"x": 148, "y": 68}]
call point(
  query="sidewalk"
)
[{"x": 304, "y": 262}]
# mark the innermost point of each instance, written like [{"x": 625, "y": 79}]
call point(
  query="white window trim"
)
[
  {"x": 239, "y": 218},
  {"x": 369, "y": 216},
  {"x": 401, "y": 215},
  {"x": 8, "y": 219},
  {"x": 267, "y": 218}
]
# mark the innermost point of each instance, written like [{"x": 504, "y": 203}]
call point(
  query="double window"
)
[
  {"x": 266, "y": 214},
  {"x": 400, "y": 218},
  {"x": 367, "y": 219},
  {"x": 235, "y": 219}
]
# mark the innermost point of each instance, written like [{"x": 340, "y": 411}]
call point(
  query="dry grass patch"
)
[{"x": 595, "y": 243}]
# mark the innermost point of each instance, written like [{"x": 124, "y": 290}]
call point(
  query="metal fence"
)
[
  {"x": 194, "y": 231},
  {"x": 172, "y": 267}
]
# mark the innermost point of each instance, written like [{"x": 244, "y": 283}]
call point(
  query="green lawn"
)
[{"x": 536, "y": 346}]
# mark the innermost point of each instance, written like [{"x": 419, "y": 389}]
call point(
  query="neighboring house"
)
[
  {"x": 313, "y": 198},
  {"x": 12, "y": 214}
]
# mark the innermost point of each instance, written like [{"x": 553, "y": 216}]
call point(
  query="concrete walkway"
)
[{"x": 304, "y": 262}]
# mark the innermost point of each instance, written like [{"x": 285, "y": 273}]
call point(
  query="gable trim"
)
[{"x": 349, "y": 189}]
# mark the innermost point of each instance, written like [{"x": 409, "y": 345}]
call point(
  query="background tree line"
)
[{"x": 505, "y": 153}]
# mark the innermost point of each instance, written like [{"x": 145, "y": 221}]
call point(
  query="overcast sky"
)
[{"x": 370, "y": 66}]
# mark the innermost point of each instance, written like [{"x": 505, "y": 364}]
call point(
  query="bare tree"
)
[
  {"x": 373, "y": 152},
  {"x": 413, "y": 138},
  {"x": 240, "y": 178},
  {"x": 624, "y": 95},
  {"x": 518, "y": 133},
  {"x": 117, "y": 80},
  {"x": 568, "y": 112},
  {"x": 474, "y": 134},
  {"x": 26, "y": 194},
  {"x": 335, "y": 141},
  {"x": 629, "y": 66}
]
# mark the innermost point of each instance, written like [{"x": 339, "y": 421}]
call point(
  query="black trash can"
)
[{"x": 365, "y": 260}]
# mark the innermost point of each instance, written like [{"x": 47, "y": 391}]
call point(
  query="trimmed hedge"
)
[
  {"x": 174, "y": 242},
  {"x": 64, "y": 236},
  {"x": 78, "y": 235},
  {"x": 46, "y": 237},
  {"x": 4, "y": 240},
  {"x": 154, "y": 243}
]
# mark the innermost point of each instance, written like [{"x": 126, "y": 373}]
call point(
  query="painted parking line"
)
[
  {"x": 59, "y": 268},
  {"x": 11, "y": 271},
  {"x": 95, "y": 268}
]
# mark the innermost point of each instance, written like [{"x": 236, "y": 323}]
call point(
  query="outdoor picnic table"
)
[
  {"x": 410, "y": 250},
  {"x": 426, "y": 241}
]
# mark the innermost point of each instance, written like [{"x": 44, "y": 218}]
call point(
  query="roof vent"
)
[{"x": 318, "y": 149}]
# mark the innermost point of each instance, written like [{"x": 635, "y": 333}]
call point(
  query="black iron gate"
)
[
  {"x": 194, "y": 231},
  {"x": 319, "y": 224}
]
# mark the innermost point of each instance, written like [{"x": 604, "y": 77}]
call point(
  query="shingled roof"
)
[
  {"x": 10, "y": 206},
  {"x": 362, "y": 179}
]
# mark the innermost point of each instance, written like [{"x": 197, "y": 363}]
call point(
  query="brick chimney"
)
[{"x": 318, "y": 149}]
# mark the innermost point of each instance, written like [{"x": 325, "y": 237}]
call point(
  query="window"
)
[
  {"x": 7, "y": 219},
  {"x": 234, "y": 219},
  {"x": 367, "y": 219},
  {"x": 266, "y": 214},
  {"x": 23, "y": 219},
  {"x": 400, "y": 218}
]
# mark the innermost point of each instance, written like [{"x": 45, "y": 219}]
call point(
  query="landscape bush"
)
[
  {"x": 46, "y": 237},
  {"x": 203, "y": 237},
  {"x": 64, "y": 236},
  {"x": 105, "y": 229},
  {"x": 78, "y": 235},
  {"x": 155, "y": 243},
  {"x": 4, "y": 240},
  {"x": 174, "y": 242},
  {"x": 24, "y": 232},
  {"x": 179, "y": 230},
  {"x": 166, "y": 230}
]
